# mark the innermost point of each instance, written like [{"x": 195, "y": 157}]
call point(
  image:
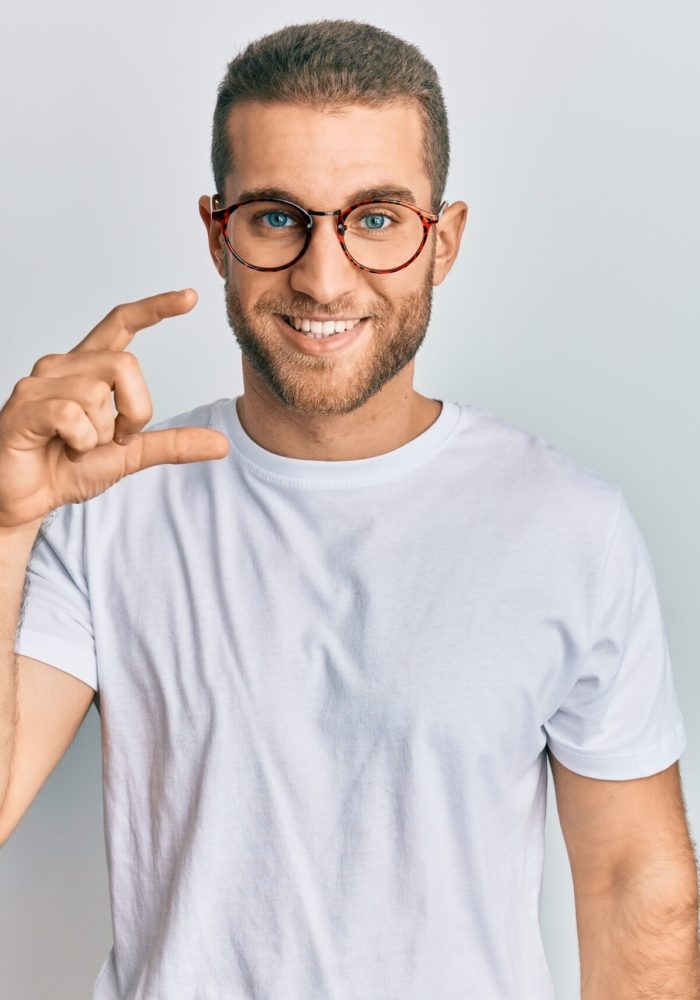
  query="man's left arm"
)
[{"x": 635, "y": 877}]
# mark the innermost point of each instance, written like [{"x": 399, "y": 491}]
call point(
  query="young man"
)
[{"x": 329, "y": 666}]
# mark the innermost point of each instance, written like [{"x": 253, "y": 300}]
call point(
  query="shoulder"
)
[{"x": 535, "y": 479}]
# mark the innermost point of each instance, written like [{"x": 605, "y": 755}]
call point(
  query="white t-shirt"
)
[{"x": 325, "y": 692}]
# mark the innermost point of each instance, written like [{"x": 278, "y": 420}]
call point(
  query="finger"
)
[
  {"x": 174, "y": 446},
  {"x": 93, "y": 394},
  {"x": 48, "y": 418},
  {"x": 121, "y": 372},
  {"x": 116, "y": 330}
]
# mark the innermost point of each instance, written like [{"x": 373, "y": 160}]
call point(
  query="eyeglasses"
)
[{"x": 377, "y": 236}]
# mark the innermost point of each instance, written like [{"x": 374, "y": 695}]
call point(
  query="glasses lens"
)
[
  {"x": 267, "y": 233},
  {"x": 382, "y": 235}
]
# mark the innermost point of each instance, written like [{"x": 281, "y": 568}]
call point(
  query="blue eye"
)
[
  {"x": 278, "y": 219},
  {"x": 376, "y": 221}
]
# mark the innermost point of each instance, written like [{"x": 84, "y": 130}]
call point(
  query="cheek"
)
[
  {"x": 243, "y": 283},
  {"x": 259, "y": 294},
  {"x": 398, "y": 290}
]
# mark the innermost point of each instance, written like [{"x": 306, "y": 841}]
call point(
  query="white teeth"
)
[{"x": 317, "y": 329}]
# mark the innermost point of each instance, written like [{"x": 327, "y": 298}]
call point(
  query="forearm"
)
[
  {"x": 15, "y": 549},
  {"x": 640, "y": 942}
]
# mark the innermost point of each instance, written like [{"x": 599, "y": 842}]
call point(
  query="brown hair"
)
[{"x": 331, "y": 64}]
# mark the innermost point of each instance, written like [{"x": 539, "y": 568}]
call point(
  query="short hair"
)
[{"x": 330, "y": 64}]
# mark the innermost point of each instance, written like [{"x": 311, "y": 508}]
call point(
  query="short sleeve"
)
[
  {"x": 621, "y": 719},
  {"x": 55, "y": 623}
]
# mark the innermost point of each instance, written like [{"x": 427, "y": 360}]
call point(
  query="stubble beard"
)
[{"x": 323, "y": 384}]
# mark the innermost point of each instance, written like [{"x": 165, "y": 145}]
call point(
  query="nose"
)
[{"x": 324, "y": 273}]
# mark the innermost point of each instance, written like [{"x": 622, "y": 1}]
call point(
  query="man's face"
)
[{"x": 323, "y": 159}]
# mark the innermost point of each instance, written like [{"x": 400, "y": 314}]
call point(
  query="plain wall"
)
[{"x": 572, "y": 311}]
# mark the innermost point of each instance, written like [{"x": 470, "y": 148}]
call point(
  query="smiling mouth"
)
[{"x": 320, "y": 329}]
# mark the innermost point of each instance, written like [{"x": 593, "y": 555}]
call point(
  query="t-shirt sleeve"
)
[
  {"x": 621, "y": 719},
  {"x": 55, "y": 623}
]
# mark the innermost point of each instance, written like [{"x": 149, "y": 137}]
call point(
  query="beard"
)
[{"x": 339, "y": 382}]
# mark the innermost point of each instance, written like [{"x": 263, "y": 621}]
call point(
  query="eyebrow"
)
[{"x": 377, "y": 193}]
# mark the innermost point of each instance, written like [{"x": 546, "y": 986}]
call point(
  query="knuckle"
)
[
  {"x": 129, "y": 361},
  {"x": 69, "y": 410},
  {"x": 116, "y": 310},
  {"x": 44, "y": 363},
  {"x": 24, "y": 386}
]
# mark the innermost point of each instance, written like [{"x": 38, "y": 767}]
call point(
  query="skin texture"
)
[{"x": 358, "y": 402}]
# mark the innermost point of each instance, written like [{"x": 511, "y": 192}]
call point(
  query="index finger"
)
[{"x": 117, "y": 329}]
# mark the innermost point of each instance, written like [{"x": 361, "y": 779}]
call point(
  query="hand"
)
[{"x": 59, "y": 435}]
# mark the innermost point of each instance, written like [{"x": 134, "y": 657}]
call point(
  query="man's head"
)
[{"x": 323, "y": 111}]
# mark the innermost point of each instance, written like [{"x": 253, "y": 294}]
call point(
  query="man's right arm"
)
[
  {"x": 41, "y": 707},
  {"x": 62, "y": 443}
]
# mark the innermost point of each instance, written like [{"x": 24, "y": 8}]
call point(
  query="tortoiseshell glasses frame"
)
[{"x": 221, "y": 215}]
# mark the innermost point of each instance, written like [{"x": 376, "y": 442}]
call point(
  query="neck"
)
[{"x": 388, "y": 420}]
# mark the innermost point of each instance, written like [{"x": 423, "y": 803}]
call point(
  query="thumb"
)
[{"x": 174, "y": 446}]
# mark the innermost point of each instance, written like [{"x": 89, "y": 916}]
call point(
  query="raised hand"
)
[{"x": 59, "y": 435}]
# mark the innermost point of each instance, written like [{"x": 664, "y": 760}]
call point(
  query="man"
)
[{"x": 330, "y": 665}]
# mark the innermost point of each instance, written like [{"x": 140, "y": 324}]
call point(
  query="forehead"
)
[{"x": 325, "y": 156}]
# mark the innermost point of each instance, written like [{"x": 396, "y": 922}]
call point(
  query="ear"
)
[
  {"x": 215, "y": 236},
  {"x": 449, "y": 236}
]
